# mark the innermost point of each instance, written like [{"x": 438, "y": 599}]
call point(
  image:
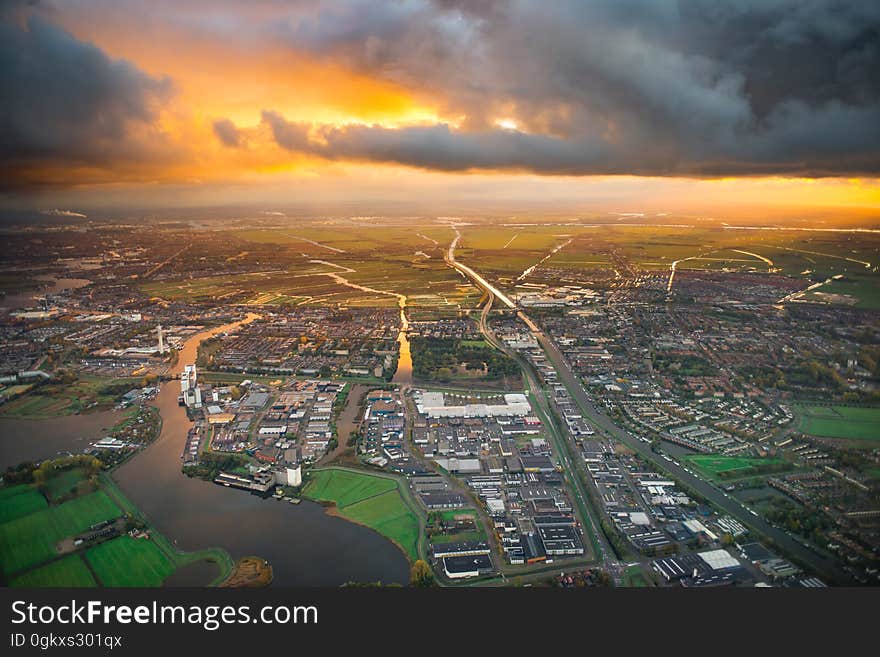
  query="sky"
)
[{"x": 697, "y": 105}]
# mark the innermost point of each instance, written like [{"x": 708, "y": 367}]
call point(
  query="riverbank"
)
[
  {"x": 40, "y": 523},
  {"x": 377, "y": 501},
  {"x": 196, "y": 514},
  {"x": 216, "y": 555}
]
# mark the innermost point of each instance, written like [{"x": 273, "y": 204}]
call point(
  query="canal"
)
[{"x": 403, "y": 373}]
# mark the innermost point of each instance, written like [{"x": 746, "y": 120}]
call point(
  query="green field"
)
[
  {"x": 30, "y": 531},
  {"x": 840, "y": 422},
  {"x": 375, "y": 502},
  {"x": 324, "y": 265},
  {"x": 389, "y": 515},
  {"x": 344, "y": 488},
  {"x": 449, "y": 516},
  {"x": 69, "y": 571},
  {"x": 19, "y": 501},
  {"x": 458, "y": 538},
  {"x": 69, "y": 482},
  {"x": 53, "y": 399},
  {"x": 634, "y": 577},
  {"x": 31, "y": 539},
  {"x": 717, "y": 466},
  {"x": 127, "y": 561}
]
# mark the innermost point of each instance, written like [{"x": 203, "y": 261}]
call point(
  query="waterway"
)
[
  {"x": 304, "y": 545},
  {"x": 27, "y": 439},
  {"x": 403, "y": 373},
  {"x": 54, "y": 286}
]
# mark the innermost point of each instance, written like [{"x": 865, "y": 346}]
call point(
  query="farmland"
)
[
  {"x": 373, "y": 501},
  {"x": 18, "y": 501},
  {"x": 69, "y": 571},
  {"x": 31, "y": 539},
  {"x": 34, "y": 552},
  {"x": 127, "y": 561},
  {"x": 842, "y": 422},
  {"x": 331, "y": 265},
  {"x": 353, "y": 264}
]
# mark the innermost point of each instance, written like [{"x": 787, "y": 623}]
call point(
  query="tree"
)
[{"x": 421, "y": 574}]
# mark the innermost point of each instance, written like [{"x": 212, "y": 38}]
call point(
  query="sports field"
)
[
  {"x": 31, "y": 539},
  {"x": 840, "y": 422},
  {"x": 372, "y": 501},
  {"x": 69, "y": 571},
  {"x": 717, "y": 466},
  {"x": 127, "y": 561}
]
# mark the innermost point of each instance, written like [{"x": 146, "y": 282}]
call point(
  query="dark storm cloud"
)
[
  {"x": 227, "y": 133},
  {"x": 698, "y": 87},
  {"x": 435, "y": 147},
  {"x": 63, "y": 100}
]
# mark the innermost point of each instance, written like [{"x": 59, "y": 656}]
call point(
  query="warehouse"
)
[{"x": 472, "y": 566}]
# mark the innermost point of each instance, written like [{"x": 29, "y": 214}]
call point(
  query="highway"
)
[
  {"x": 823, "y": 565},
  {"x": 561, "y": 444}
]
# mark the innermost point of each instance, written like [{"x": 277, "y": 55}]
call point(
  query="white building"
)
[
  {"x": 433, "y": 404},
  {"x": 289, "y": 476}
]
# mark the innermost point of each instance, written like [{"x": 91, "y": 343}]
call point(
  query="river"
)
[
  {"x": 28, "y": 439},
  {"x": 305, "y": 546},
  {"x": 55, "y": 285},
  {"x": 403, "y": 373}
]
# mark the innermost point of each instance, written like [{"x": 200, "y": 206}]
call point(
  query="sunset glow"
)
[{"x": 255, "y": 99}]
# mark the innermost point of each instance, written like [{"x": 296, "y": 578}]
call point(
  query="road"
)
[
  {"x": 824, "y": 565},
  {"x": 820, "y": 563},
  {"x": 561, "y": 444}
]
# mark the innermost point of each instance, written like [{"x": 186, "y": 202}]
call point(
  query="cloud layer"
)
[
  {"x": 649, "y": 87},
  {"x": 64, "y": 102},
  {"x": 704, "y": 87}
]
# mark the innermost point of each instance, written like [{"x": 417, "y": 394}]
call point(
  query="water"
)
[
  {"x": 29, "y": 299},
  {"x": 36, "y": 439},
  {"x": 403, "y": 373},
  {"x": 304, "y": 545}
]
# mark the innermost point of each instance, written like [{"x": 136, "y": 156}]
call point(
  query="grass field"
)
[
  {"x": 840, "y": 422},
  {"x": 19, "y": 501},
  {"x": 30, "y": 531},
  {"x": 372, "y": 501},
  {"x": 458, "y": 538},
  {"x": 127, "y": 561},
  {"x": 344, "y": 488},
  {"x": 449, "y": 516},
  {"x": 69, "y": 571},
  {"x": 66, "y": 483},
  {"x": 717, "y": 466},
  {"x": 31, "y": 539},
  {"x": 51, "y": 400},
  {"x": 634, "y": 577}
]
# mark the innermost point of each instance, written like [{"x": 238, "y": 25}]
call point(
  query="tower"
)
[{"x": 161, "y": 340}]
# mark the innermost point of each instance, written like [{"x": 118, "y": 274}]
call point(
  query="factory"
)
[{"x": 433, "y": 404}]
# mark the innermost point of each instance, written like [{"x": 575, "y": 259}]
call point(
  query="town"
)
[{"x": 626, "y": 424}]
